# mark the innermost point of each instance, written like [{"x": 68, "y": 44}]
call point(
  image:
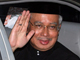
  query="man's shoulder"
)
[{"x": 63, "y": 51}]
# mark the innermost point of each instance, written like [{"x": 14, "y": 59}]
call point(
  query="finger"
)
[
  {"x": 17, "y": 22},
  {"x": 31, "y": 33},
  {"x": 7, "y": 18},
  {"x": 16, "y": 26},
  {"x": 21, "y": 23},
  {"x": 27, "y": 20},
  {"x": 26, "y": 15},
  {"x": 26, "y": 24},
  {"x": 23, "y": 20},
  {"x": 22, "y": 17}
]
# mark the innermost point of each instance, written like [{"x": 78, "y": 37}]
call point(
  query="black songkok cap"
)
[{"x": 44, "y": 7}]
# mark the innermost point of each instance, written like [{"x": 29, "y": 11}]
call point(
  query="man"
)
[{"x": 40, "y": 43}]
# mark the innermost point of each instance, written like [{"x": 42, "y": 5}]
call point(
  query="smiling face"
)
[{"x": 46, "y": 33}]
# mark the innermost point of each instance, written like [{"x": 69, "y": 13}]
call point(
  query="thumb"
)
[{"x": 30, "y": 34}]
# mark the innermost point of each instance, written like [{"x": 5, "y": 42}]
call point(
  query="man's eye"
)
[
  {"x": 38, "y": 26},
  {"x": 52, "y": 27}
]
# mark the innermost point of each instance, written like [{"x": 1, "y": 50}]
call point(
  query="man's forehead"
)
[
  {"x": 42, "y": 14},
  {"x": 47, "y": 18}
]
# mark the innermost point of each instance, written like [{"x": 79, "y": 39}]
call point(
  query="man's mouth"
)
[{"x": 44, "y": 41}]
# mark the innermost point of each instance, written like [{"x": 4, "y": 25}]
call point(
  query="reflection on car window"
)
[{"x": 75, "y": 2}]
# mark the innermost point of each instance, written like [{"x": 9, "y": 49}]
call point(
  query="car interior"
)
[{"x": 69, "y": 34}]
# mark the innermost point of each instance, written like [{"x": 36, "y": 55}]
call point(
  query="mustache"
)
[{"x": 44, "y": 38}]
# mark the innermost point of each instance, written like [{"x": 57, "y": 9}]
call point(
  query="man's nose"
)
[{"x": 45, "y": 31}]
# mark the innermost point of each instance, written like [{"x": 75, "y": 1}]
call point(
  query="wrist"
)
[{"x": 14, "y": 48}]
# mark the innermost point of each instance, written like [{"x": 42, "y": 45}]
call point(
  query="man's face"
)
[{"x": 46, "y": 33}]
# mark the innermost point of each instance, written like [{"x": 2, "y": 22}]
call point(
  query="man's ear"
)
[{"x": 59, "y": 27}]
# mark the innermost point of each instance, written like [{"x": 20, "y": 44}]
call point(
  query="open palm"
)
[{"x": 18, "y": 36}]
